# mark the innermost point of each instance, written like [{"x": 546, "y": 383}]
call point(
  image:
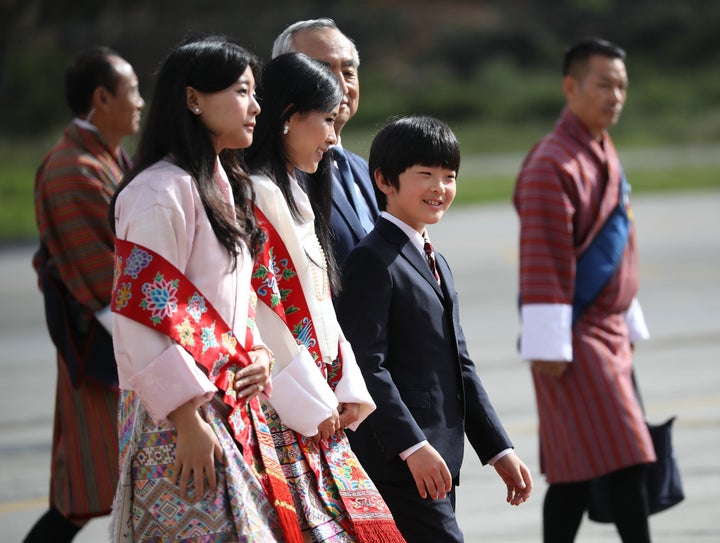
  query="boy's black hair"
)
[
  {"x": 575, "y": 59},
  {"x": 409, "y": 141}
]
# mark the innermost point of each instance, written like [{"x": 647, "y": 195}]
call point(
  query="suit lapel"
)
[
  {"x": 344, "y": 207},
  {"x": 411, "y": 254},
  {"x": 448, "y": 287},
  {"x": 360, "y": 173},
  {"x": 408, "y": 251}
]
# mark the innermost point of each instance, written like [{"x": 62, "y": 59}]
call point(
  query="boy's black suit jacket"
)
[{"x": 406, "y": 335}]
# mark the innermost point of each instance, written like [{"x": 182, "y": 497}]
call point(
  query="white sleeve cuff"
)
[
  {"x": 635, "y": 320},
  {"x": 171, "y": 380},
  {"x": 105, "y": 317},
  {"x": 301, "y": 396},
  {"x": 546, "y": 332},
  {"x": 499, "y": 455},
  {"x": 407, "y": 452},
  {"x": 351, "y": 388}
]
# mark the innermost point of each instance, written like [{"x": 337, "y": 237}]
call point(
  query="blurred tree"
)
[{"x": 455, "y": 57}]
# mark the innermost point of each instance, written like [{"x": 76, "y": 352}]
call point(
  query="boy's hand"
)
[
  {"x": 517, "y": 478},
  {"x": 430, "y": 472}
]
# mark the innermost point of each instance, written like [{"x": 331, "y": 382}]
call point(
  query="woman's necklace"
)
[{"x": 318, "y": 269}]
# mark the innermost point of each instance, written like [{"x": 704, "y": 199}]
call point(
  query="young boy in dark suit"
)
[{"x": 398, "y": 308}]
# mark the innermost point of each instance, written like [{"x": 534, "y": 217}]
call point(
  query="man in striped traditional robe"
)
[
  {"x": 590, "y": 420},
  {"x": 73, "y": 187}
]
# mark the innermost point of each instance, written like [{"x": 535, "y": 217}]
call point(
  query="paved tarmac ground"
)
[{"x": 679, "y": 241}]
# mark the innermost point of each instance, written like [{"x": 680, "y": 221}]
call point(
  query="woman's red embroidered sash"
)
[
  {"x": 150, "y": 290},
  {"x": 277, "y": 285}
]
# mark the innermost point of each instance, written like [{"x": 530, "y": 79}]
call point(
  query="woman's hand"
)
[
  {"x": 255, "y": 378},
  {"x": 196, "y": 450},
  {"x": 349, "y": 413},
  {"x": 327, "y": 427}
]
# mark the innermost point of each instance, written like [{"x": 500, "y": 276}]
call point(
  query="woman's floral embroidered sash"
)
[{"x": 150, "y": 290}]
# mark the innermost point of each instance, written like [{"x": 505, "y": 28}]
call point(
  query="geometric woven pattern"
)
[
  {"x": 334, "y": 498},
  {"x": 320, "y": 510},
  {"x": 237, "y": 510}
]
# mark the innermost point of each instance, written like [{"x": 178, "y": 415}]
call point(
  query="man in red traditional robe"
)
[
  {"x": 590, "y": 420},
  {"x": 73, "y": 187}
]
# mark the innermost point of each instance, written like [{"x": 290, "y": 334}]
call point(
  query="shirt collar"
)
[
  {"x": 82, "y": 123},
  {"x": 416, "y": 238},
  {"x": 575, "y": 127}
]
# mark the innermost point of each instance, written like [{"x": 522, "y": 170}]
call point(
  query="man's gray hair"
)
[{"x": 284, "y": 43}]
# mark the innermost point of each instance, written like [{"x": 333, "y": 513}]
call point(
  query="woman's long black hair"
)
[
  {"x": 295, "y": 83},
  {"x": 208, "y": 64}
]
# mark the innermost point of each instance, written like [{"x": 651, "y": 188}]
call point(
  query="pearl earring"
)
[
  {"x": 286, "y": 128},
  {"x": 197, "y": 110}
]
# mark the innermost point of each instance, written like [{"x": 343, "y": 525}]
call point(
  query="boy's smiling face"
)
[{"x": 423, "y": 195}]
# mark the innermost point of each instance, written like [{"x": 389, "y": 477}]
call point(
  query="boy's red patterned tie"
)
[{"x": 430, "y": 254}]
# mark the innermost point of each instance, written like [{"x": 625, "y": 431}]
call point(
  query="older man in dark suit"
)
[{"x": 354, "y": 207}]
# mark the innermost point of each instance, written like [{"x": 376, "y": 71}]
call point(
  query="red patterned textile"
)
[
  {"x": 151, "y": 291},
  {"x": 73, "y": 187},
  {"x": 279, "y": 287},
  {"x": 85, "y": 448},
  {"x": 590, "y": 420}
]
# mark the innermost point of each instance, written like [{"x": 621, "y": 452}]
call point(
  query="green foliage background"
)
[{"x": 488, "y": 67}]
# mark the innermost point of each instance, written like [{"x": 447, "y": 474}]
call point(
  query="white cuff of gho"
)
[
  {"x": 105, "y": 317},
  {"x": 635, "y": 320},
  {"x": 546, "y": 332}
]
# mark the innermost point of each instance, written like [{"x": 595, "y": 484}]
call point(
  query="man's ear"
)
[
  {"x": 100, "y": 98},
  {"x": 382, "y": 182},
  {"x": 569, "y": 86}
]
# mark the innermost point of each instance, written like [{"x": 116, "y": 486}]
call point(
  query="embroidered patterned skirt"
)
[
  {"x": 318, "y": 504},
  {"x": 148, "y": 506},
  {"x": 335, "y": 499}
]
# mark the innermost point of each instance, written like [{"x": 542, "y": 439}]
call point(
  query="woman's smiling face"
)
[{"x": 309, "y": 136}]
